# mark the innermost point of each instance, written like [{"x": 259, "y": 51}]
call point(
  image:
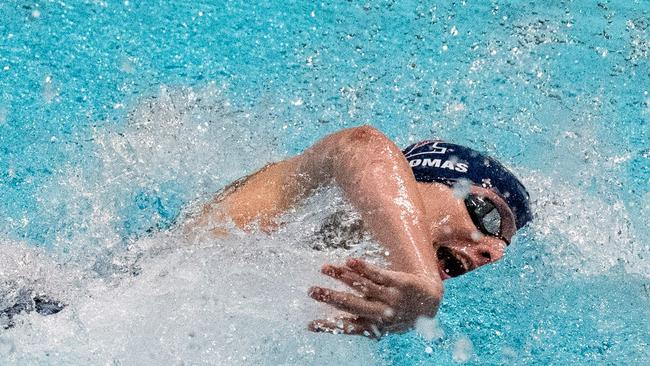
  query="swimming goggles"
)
[{"x": 485, "y": 215}]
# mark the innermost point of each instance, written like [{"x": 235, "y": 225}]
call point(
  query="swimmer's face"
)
[{"x": 462, "y": 246}]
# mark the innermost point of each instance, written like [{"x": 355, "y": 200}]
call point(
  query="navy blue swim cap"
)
[{"x": 444, "y": 162}]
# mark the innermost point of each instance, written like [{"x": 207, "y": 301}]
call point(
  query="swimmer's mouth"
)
[{"x": 450, "y": 264}]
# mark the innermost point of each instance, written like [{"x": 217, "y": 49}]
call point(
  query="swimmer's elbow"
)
[
  {"x": 347, "y": 149},
  {"x": 364, "y": 133},
  {"x": 364, "y": 138}
]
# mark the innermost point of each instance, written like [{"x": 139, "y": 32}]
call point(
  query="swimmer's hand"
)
[{"x": 389, "y": 301}]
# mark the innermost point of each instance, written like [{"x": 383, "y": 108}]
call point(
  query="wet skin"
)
[
  {"x": 380, "y": 294},
  {"x": 454, "y": 233},
  {"x": 425, "y": 228}
]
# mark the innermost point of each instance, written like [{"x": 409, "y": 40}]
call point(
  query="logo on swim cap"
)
[{"x": 444, "y": 162}]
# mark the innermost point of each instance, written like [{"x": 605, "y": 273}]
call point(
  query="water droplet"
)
[
  {"x": 461, "y": 188},
  {"x": 3, "y": 114},
  {"x": 463, "y": 350},
  {"x": 428, "y": 328},
  {"x": 476, "y": 235}
]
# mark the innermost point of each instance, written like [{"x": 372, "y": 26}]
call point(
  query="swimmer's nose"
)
[{"x": 489, "y": 252}]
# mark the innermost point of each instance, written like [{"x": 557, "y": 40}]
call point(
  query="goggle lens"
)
[{"x": 484, "y": 214}]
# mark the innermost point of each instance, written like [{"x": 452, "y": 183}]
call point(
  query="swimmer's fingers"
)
[
  {"x": 374, "y": 273},
  {"x": 365, "y": 286},
  {"x": 345, "y": 325},
  {"x": 352, "y": 304}
]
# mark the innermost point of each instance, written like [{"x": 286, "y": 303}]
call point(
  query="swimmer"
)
[{"x": 439, "y": 209}]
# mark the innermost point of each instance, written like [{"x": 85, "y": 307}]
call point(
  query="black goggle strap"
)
[{"x": 484, "y": 215}]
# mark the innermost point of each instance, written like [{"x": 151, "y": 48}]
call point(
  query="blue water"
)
[{"x": 557, "y": 90}]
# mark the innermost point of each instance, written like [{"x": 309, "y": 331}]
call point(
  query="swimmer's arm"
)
[
  {"x": 255, "y": 199},
  {"x": 372, "y": 172},
  {"x": 377, "y": 179}
]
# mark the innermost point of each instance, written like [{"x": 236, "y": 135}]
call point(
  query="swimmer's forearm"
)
[
  {"x": 260, "y": 197},
  {"x": 371, "y": 170}
]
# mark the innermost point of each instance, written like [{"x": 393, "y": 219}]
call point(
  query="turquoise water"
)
[{"x": 557, "y": 90}]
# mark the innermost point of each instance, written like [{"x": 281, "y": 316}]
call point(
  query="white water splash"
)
[
  {"x": 160, "y": 299},
  {"x": 587, "y": 234}
]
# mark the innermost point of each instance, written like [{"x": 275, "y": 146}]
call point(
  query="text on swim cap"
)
[{"x": 437, "y": 163}]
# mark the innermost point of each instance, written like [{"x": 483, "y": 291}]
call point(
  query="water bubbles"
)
[
  {"x": 178, "y": 143},
  {"x": 454, "y": 108},
  {"x": 128, "y": 65},
  {"x": 463, "y": 350},
  {"x": 49, "y": 92},
  {"x": 476, "y": 235},
  {"x": 3, "y": 115},
  {"x": 603, "y": 52},
  {"x": 477, "y": 65},
  {"x": 589, "y": 242},
  {"x": 461, "y": 188},
  {"x": 428, "y": 328}
]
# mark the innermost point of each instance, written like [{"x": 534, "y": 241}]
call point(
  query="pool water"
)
[{"x": 116, "y": 116}]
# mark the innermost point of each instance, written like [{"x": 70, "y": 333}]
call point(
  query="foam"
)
[
  {"x": 235, "y": 301},
  {"x": 583, "y": 233},
  {"x": 140, "y": 298},
  {"x": 159, "y": 297}
]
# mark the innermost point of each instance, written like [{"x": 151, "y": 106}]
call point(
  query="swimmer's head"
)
[
  {"x": 451, "y": 164},
  {"x": 473, "y": 204}
]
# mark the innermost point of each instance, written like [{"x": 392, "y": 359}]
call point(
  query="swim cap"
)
[{"x": 444, "y": 162}]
